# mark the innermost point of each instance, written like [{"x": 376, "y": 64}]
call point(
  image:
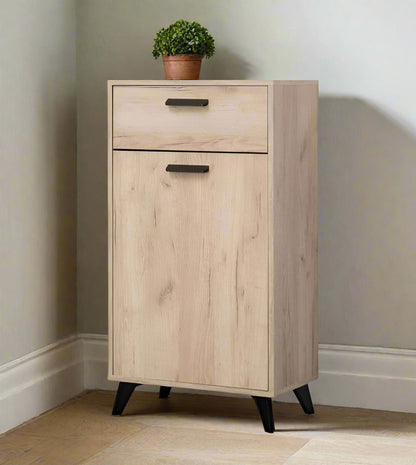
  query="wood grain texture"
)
[
  {"x": 30, "y": 450},
  {"x": 176, "y": 446},
  {"x": 295, "y": 232},
  {"x": 289, "y": 239},
  {"x": 190, "y": 269},
  {"x": 235, "y": 119},
  {"x": 207, "y": 429},
  {"x": 198, "y": 386},
  {"x": 83, "y": 417},
  {"x": 270, "y": 202},
  {"x": 356, "y": 451}
]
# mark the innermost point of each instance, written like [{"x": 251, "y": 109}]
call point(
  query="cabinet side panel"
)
[
  {"x": 270, "y": 238},
  {"x": 295, "y": 208}
]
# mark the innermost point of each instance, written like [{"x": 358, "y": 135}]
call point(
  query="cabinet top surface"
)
[{"x": 241, "y": 82}]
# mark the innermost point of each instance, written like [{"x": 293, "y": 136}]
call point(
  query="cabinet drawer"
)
[{"x": 234, "y": 120}]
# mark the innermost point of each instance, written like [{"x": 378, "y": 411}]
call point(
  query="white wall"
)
[
  {"x": 38, "y": 174},
  {"x": 362, "y": 53}
]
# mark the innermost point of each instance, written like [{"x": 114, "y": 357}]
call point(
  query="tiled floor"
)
[{"x": 195, "y": 429}]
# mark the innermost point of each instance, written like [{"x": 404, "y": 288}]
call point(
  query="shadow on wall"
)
[
  {"x": 367, "y": 221},
  {"x": 59, "y": 119},
  {"x": 226, "y": 64}
]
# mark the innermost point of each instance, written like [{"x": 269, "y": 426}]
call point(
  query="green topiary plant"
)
[{"x": 184, "y": 37}]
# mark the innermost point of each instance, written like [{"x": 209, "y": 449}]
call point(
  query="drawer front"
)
[
  {"x": 234, "y": 120},
  {"x": 190, "y": 289}
]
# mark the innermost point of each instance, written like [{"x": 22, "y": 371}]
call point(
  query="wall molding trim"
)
[
  {"x": 349, "y": 376},
  {"x": 40, "y": 380}
]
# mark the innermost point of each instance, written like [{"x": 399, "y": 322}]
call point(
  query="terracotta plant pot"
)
[{"x": 182, "y": 66}]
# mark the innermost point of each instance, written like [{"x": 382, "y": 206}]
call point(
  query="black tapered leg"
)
[
  {"x": 124, "y": 392},
  {"x": 164, "y": 392},
  {"x": 304, "y": 397},
  {"x": 264, "y": 405}
]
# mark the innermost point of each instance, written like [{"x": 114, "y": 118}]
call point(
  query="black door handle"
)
[
  {"x": 188, "y": 168},
  {"x": 187, "y": 102}
]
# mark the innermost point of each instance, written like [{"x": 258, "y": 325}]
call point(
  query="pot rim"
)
[{"x": 182, "y": 56}]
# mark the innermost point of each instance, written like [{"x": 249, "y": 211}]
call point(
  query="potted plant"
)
[{"x": 183, "y": 45}]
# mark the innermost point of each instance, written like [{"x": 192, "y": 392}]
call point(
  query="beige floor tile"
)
[
  {"x": 184, "y": 446},
  {"x": 356, "y": 451},
  {"x": 204, "y": 429},
  {"x": 330, "y": 420},
  {"x": 18, "y": 449},
  {"x": 89, "y": 416},
  {"x": 192, "y": 410},
  {"x": 14, "y": 444},
  {"x": 120, "y": 459},
  {"x": 240, "y": 414}
]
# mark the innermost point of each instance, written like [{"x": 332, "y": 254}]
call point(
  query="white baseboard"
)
[
  {"x": 95, "y": 348},
  {"x": 349, "y": 376},
  {"x": 40, "y": 381},
  {"x": 366, "y": 377}
]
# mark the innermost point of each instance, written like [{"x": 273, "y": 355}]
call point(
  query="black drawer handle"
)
[
  {"x": 187, "y": 102},
  {"x": 188, "y": 168}
]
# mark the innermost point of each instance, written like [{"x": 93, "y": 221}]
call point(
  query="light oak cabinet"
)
[{"x": 213, "y": 237}]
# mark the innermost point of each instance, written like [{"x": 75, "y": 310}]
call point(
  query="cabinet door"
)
[{"x": 190, "y": 269}]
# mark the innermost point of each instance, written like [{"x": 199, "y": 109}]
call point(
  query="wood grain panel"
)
[
  {"x": 295, "y": 231},
  {"x": 190, "y": 269},
  {"x": 203, "y": 347},
  {"x": 235, "y": 119}
]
